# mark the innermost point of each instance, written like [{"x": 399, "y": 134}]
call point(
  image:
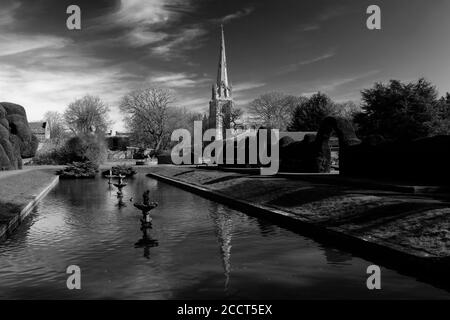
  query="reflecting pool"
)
[{"x": 200, "y": 249}]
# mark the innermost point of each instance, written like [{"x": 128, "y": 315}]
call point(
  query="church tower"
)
[{"x": 221, "y": 102}]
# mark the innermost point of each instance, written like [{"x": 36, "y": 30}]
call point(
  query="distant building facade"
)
[
  {"x": 41, "y": 130},
  {"x": 119, "y": 141}
]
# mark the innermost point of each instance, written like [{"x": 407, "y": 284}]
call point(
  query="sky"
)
[{"x": 293, "y": 46}]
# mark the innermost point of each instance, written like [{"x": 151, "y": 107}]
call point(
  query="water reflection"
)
[
  {"x": 265, "y": 228},
  {"x": 120, "y": 203},
  {"x": 196, "y": 249},
  {"x": 223, "y": 227},
  {"x": 337, "y": 257},
  {"x": 146, "y": 241}
]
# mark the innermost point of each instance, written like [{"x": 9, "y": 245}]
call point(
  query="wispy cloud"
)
[
  {"x": 137, "y": 12},
  {"x": 295, "y": 66},
  {"x": 157, "y": 23},
  {"x": 244, "y": 86},
  {"x": 17, "y": 43},
  {"x": 13, "y": 43},
  {"x": 336, "y": 83},
  {"x": 192, "y": 36},
  {"x": 177, "y": 80},
  {"x": 55, "y": 90},
  {"x": 7, "y": 13},
  {"x": 236, "y": 15},
  {"x": 150, "y": 22},
  {"x": 141, "y": 19},
  {"x": 310, "y": 27},
  {"x": 140, "y": 36},
  {"x": 194, "y": 104},
  {"x": 187, "y": 39},
  {"x": 346, "y": 88},
  {"x": 316, "y": 59},
  {"x": 325, "y": 15},
  {"x": 54, "y": 70},
  {"x": 334, "y": 11}
]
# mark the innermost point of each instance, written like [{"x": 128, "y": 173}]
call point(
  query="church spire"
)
[
  {"x": 223, "y": 86},
  {"x": 221, "y": 102}
]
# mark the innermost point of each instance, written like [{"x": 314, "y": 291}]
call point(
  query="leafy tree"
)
[
  {"x": 308, "y": 115},
  {"x": 88, "y": 114},
  {"x": 440, "y": 123},
  {"x": 399, "y": 111}
]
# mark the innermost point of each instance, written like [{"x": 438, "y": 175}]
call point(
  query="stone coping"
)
[
  {"x": 20, "y": 201},
  {"x": 399, "y": 229}
]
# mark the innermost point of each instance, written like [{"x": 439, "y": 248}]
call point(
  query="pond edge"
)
[
  {"x": 16, "y": 220},
  {"x": 429, "y": 269}
]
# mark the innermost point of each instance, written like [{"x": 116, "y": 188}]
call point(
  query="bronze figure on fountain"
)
[{"x": 145, "y": 208}]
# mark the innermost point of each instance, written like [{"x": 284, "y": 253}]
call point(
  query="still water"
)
[{"x": 201, "y": 249}]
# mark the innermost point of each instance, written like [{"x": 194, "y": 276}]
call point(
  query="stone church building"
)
[{"x": 221, "y": 102}]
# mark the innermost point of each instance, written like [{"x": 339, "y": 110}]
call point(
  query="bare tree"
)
[
  {"x": 348, "y": 109},
  {"x": 148, "y": 113},
  {"x": 274, "y": 109},
  {"x": 181, "y": 118},
  {"x": 86, "y": 115},
  {"x": 235, "y": 117}
]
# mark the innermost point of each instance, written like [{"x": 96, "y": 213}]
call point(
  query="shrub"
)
[
  {"x": 49, "y": 154},
  {"x": 164, "y": 158},
  {"x": 118, "y": 143},
  {"x": 78, "y": 170},
  {"x": 77, "y": 149},
  {"x": 140, "y": 154},
  {"x": 50, "y": 157},
  {"x": 398, "y": 111},
  {"x": 309, "y": 115},
  {"x": 86, "y": 148}
]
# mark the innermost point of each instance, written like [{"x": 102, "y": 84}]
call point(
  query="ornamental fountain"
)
[
  {"x": 119, "y": 187},
  {"x": 146, "y": 206},
  {"x": 146, "y": 224},
  {"x": 109, "y": 176}
]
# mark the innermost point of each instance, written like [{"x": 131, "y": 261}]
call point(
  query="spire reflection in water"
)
[{"x": 223, "y": 227}]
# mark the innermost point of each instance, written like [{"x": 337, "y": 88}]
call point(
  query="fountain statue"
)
[
  {"x": 109, "y": 176},
  {"x": 146, "y": 224},
  {"x": 120, "y": 185},
  {"x": 145, "y": 207}
]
